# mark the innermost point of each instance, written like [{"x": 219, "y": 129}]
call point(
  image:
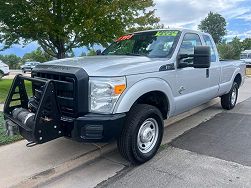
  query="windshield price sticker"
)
[
  {"x": 166, "y": 33},
  {"x": 126, "y": 37}
]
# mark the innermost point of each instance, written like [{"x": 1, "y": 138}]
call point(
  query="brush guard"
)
[{"x": 45, "y": 124}]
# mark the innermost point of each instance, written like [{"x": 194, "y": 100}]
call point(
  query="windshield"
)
[{"x": 152, "y": 44}]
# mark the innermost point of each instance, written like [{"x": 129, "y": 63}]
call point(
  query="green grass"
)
[
  {"x": 4, "y": 90},
  {"x": 5, "y": 87},
  {"x": 4, "y": 139}
]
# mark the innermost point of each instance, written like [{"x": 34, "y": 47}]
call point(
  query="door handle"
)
[{"x": 207, "y": 73}]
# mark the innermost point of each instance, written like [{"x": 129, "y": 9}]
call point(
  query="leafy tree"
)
[
  {"x": 60, "y": 25},
  {"x": 91, "y": 52},
  {"x": 82, "y": 54},
  {"x": 246, "y": 44},
  {"x": 225, "y": 51},
  {"x": 37, "y": 55},
  {"x": 237, "y": 46},
  {"x": 231, "y": 50},
  {"x": 71, "y": 54},
  {"x": 12, "y": 60},
  {"x": 215, "y": 24}
]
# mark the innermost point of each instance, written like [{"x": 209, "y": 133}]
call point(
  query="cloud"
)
[
  {"x": 188, "y": 14},
  {"x": 179, "y": 13},
  {"x": 242, "y": 35},
  {"x": 246, "y": 17}
]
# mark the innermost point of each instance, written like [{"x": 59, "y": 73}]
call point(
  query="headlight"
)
[{"x": 104, "y": 93}]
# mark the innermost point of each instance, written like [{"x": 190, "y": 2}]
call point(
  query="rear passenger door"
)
[
  {"x": 214, "y": 72},
  {"x": 191, "y": 83}
]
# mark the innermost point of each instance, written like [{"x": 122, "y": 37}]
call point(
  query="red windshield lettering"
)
[{"x": 126, "y": 37}]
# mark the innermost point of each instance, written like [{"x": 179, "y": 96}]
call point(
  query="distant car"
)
[
  {"x": 246, "y": 56},
  {"x": 4, "y": 69},
  {"x": 28, "y": 66}
]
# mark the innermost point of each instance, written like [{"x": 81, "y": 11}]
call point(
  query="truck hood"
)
[{"x": 111, "y": 65}]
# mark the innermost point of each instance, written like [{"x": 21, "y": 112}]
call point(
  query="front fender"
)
[{"x": 140, "y": 88}]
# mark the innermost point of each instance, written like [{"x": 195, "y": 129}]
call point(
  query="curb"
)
[
  {"x": 47, "y": 175},
  {"x": 61, "y": 169}
]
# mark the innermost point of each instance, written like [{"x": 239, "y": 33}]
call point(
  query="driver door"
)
[{"x": 191, "y": 83}]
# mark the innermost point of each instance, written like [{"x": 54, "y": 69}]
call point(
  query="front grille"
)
[{"x": 65, "y": 87}]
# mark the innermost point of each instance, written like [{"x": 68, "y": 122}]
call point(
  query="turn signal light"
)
[{"x": 119, "y": 89}]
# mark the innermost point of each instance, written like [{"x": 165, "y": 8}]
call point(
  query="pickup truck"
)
[
  {"x": 4, "y": 69},
  {"x": 125, "y": 93},
  {"x": 28, "y": 66}
]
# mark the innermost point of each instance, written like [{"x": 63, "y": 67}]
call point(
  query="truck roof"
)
[{"x": 178, "y": 29}]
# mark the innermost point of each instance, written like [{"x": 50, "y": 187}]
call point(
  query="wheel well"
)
[
  {"x": 238, "y": 79},
  {"x": 157, "y": 99}
]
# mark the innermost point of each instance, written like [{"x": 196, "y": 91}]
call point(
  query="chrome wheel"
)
[
  {"x": 234, "y": 96},
  {"x": 148, "y": 135}
]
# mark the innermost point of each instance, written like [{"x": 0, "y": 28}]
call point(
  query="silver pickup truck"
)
[{"x": 125, "y": 93}]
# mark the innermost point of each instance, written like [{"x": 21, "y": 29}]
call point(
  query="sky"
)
[{"x": 187, "y": 14}]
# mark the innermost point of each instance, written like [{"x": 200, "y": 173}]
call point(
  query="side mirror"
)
[{"x": 200, "y": 58}]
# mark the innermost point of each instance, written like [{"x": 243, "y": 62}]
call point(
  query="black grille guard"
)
[{"x": 44, "y": 127}]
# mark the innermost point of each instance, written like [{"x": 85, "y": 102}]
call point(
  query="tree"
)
[
  {"x": 12, "y": 60},
  {"x": 246, "y": 44},
  {"x": 37, "y": 55},
  {"x": 71, "y": 54},
  {"x": 60, "y": 25},
  {"x": 214, "y": 24},
  {"x": 225, "y": 51},
  {"x": 230, "y": 50},
  {"x": 91, "y": 52},
  {"x": 237, "y": 47},
  {"x": 83, "y": 54}
]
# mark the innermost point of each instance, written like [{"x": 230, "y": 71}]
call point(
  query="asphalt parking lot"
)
[
  {"x": 226, "y": 136},
  {"x": 13, "y": 73},
  {"x": 217, "y": 153}
]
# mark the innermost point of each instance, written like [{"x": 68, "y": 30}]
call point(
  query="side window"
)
[
  {"x": 209, "y": 43},
  {"x": 190, "y": 40}
]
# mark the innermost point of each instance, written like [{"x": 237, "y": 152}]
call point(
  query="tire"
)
[
  {"x": 142, "y": 134},
  {"x": 228, "y": 101}
]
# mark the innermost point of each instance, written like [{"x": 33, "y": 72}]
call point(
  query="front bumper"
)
[
  {"x": 97, "y": 127},
  {"x": 48, "y": 122}
]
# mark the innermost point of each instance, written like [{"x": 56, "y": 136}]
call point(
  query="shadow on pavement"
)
[{"x": 226, "y": 136}]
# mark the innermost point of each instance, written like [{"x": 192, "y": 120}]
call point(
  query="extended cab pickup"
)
[{"x": 139, "y": 80}]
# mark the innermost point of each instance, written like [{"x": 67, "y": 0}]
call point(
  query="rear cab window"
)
[
  {"x": 208, "y": 42},
  {"x": 189, "y": 41}
]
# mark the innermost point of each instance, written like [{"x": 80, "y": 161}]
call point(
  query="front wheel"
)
[
  {"x": 142, "y": 134},
  {"x": 228, "y": 101}
]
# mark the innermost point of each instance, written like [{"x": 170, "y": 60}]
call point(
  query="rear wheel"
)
[
  {"x": 228, "y": 101},
  {"x": 142, "y": 134}
]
